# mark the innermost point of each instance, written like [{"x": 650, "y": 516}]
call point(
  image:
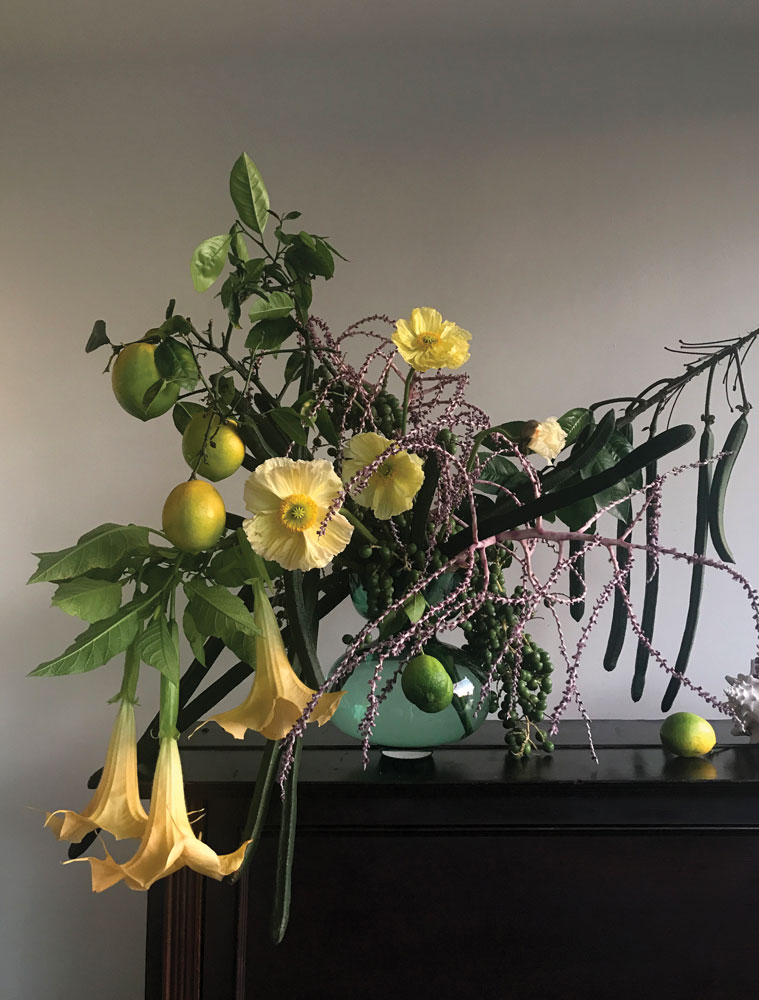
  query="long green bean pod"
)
[
  {"x": 705, "y": 452},
  {"x": 733, "y": 443}
]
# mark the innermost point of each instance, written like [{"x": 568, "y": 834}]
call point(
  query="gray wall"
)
[{"x": 577, "y": 189}]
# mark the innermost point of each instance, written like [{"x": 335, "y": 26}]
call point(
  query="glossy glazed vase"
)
[{"x": 400, "y": 724}]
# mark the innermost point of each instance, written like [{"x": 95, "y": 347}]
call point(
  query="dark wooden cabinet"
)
[{"x": 470, "y": 875}]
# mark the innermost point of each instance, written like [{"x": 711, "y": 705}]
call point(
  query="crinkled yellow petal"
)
[
  {"x": 168, "y": 842},
  {"x": 269, "y": 537},
  {"x": 426, "y": 341},
  {"x": 425, "y": 320},
  {"x": 272, "y": 483},
  {"x": 277, "y": 697},
  {"x": 115, "y": 805},
  {"x": 392, "y": 487}
]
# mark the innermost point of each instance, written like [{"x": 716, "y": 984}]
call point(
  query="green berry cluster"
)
[
  {"x": 387, "y": 414},
  {"x": 523, "y": 736}
]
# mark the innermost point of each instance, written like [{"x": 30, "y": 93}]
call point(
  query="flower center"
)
[
  {"x": 298, "y": 512},
  {"x": 386, "y": 470},
  {"x": 427, "y": 339}
]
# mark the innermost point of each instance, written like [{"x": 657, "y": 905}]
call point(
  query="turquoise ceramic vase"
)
[{"x": 401, "y": 724}]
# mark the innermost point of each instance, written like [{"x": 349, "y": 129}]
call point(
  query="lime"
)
[
  {"x": 426, "y": 684},
  {"x": 687, "y": 735},
  {"x": 212, "y": 448},
  {"x": 194, "y": 516},
  {"x": 133, "y": 373}
]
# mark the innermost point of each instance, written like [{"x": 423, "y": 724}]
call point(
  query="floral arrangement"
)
[{"x": 377, "y": 480}]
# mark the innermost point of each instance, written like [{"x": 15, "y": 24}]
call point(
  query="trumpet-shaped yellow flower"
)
[
  {"x": 392, "y": 487},
  {"x": 289, "y": 500},
  {"x": 277, "y": 697},
  {"x": 426, "y": 340},
  {"x": 548, "y": 438},
  {"x": 168, "y": 842},
  {"x": 116, "y": 805}
]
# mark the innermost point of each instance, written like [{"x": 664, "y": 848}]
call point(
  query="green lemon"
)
[
  {"x": 426, "y": 684},
  {"x": 133, "y": 373},
  {"x": 212, "y": 448},
  {"x": 687, "y": 735},
  {"x": 194, "y": 516}
]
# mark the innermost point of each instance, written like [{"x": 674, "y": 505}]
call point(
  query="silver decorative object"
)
[{"x": 743, "y": 698}]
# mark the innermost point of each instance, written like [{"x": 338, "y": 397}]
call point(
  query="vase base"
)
[{"x": 406, "y": 755}]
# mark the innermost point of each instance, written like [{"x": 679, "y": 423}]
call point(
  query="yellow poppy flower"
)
[
  {"x": 548, "y": 439},
  {"x": 168, "y": 842},
  {"x": 392, "y": 487},
  {"x": 289, "y": 500},
  {"x": 116, "y": 805},
  {"x": 277, "y": 697},
  {"x": 426, "y": 340}
]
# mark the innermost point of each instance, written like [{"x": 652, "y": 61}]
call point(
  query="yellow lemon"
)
[
  {"x": 427, "y": 684},
  {"x": 133, "y": 373},
  {"x": 687, "y": 735},
  {"x": 212, "y": 448},
  {"x": 194, "y": 516}
]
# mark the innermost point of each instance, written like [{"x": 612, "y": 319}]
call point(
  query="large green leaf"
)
[
  {"x": 175, "y": 363},
  {"x": 276, "y": 305},
  {"x": 248, "y": 191},
  {"x": 217, "y": 612},
  {"x": 89, "y": 599},
  {"x": 158, "y": 646},
  {"x": 207, "y": 261},
  {"x": 288, "y": 420},
  {"x": 101, "y": 548},
  {"x": 573, "y": 422},
  {"x": 499, "y": 470},
  {"x": 270, "y": 334},
  {"x": 183, "y": 413},
  {"x": 100, "y": 642}
]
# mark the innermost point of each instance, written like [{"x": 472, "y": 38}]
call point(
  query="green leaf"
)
[
  {"x": 415, "y": 607},
  {"x": 240, "y": 247},
  {"x": 193, "y": 636},
  {"x": 291, "y": 215},
  {"x": 217, "y": 612},
  {"x": 101, "y": 548},
  {"x": 326, "y": 427},
  {"x": 100, "y": 642},
  {"x": 88, "y": 599},
  {"x": 98, "y": 337},
  {"x": 612, "y": 452},
  {"x": 175, "y": 362},
  {"x": 207, "y": 261},
  {"x": 288, "y": 421},
  {"x": 254, "y": 269},
  {"x": 306, "y": 258},
  {"x": 578, "y": 513},
  {"x": 270, "y": 334},
  {"x": 501, "y": 471},
  {"x": 248, "y": 191},
  {"x": 183, "y": 413},
  {"x": 275, "y": 305},
  {"x": 294, "y": 366},
  {"x": 573, "y": 422},
  {"x": 230, "y": 568},
  {"x": 158, "y": 646}
]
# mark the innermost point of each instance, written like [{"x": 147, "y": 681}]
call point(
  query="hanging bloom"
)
[
  {"x": 426, "y": 340},
  {"x": 168, "y": 841},
  {"x": 289, "y": 500},
  {"x": 548, "y": 439},
  {"x": 392, "y": 487},
  {"x": 116, "y": 805},
  {"x": 277, "y": 698}
]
